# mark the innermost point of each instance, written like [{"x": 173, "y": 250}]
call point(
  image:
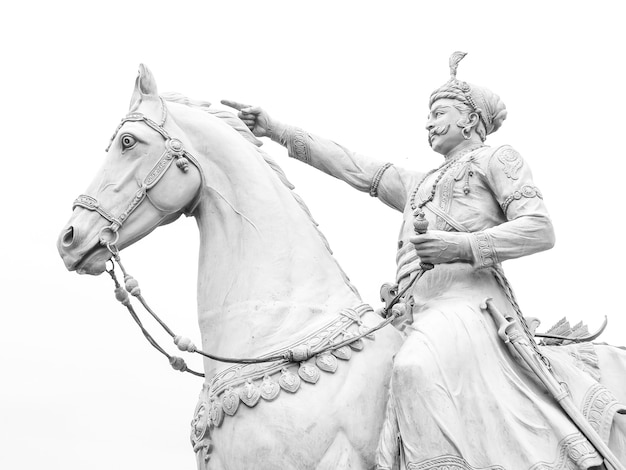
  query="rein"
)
[
  {"x": 175, "y": 151},
  {"x": 109, "y": 236},
  {"x": 291, "y": 355}
]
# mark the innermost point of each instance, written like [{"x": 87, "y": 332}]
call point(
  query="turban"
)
[{"x": 484, "y": 102}]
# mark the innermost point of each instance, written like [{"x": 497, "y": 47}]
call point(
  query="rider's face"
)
[{"x": 444, "y": 134}]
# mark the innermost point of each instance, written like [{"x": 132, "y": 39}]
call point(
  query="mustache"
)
[{"x": 439, "y": 130}]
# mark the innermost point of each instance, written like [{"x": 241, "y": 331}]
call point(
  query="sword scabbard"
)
[{"x": 511, "y": 333}]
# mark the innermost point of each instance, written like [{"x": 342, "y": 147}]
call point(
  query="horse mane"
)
[{"x": 237, "y": 124}]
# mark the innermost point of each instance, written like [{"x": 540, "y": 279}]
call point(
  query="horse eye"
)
[{"x": 128, "y": 141}]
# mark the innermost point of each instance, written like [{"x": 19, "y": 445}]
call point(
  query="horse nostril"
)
[{"x": 68, "y": 237}]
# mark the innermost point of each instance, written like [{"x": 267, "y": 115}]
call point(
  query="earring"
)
[{"x": 467, "y": 132}]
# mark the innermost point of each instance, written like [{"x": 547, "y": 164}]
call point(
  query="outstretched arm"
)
[{"x": 389, "y": 183}]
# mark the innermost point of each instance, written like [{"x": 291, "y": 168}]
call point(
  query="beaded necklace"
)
[{"x": 443, "y": 169}]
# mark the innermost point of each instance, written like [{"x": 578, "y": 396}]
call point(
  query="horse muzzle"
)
[{"x": 83, "y": 254}]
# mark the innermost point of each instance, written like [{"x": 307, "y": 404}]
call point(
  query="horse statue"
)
[{"x": 267, "y": 286}]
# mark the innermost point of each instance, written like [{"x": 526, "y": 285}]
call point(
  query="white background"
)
[{"x": 79, "y": 386}]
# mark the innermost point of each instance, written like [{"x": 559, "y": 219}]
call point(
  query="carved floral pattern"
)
[
  {"x": 486, "y": 255},
  {"x": 446, "y": 193},
  {"x": 448, "y": 462},
  {"x": 159, "y": 169},
  {"x": 599, "y": 405},
  {"x": 250, "y": 394},
  {"x": 269, "y": 389},
  {"x": 299, "y": 147},
  {"x": 201, "y": 431},
  {"x": 512, "y": 162},
  {"x": 250, "y": 383},
  {"x": 575, "y": 452}
]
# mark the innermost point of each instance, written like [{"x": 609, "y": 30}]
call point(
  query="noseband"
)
[{"x": 174, "y": 151}]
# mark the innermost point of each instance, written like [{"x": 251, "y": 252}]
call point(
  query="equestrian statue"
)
[{"x": 298, "y": 372}]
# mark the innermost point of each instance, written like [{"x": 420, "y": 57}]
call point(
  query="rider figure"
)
[{"x": 458, "y": 398}]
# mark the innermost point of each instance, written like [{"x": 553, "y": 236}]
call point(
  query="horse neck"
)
[{"x": 265, "y": 274}]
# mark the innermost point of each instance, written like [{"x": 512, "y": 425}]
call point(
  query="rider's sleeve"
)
[
  {"x": 387, "y": 182},
  {"x": 527, "y": 227}
]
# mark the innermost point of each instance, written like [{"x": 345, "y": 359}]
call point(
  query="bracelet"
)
[{"x": 376, "y": 180}]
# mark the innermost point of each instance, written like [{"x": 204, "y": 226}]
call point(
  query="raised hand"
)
[{"x": 255, "y": 117}]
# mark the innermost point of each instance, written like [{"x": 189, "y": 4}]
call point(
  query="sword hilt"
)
[{"x": 420, "y": 224}]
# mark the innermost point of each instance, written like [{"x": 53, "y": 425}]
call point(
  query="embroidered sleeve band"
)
[
  {"x": 376, "y": 180},
  {"x": 298, "y": 145},
  {"x": 525, "y": 191},
  {"x": 483, "y": 250}
]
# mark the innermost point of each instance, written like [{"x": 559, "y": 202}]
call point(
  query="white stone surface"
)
[{"x": 75, "y": 392}]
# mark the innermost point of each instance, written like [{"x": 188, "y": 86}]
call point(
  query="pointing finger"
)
[{"x": 235, "y": 104}]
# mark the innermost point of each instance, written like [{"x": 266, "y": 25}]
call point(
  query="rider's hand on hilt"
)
[
  {"x": 440, "y": 247},
  {"x": 255, "y": 117},
  {"x": 420, "y": 224}
]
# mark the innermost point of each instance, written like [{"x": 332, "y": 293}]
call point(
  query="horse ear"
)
[{"x": 145, "y": 87}]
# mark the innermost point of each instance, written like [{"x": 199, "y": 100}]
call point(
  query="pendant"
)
[
  {"x": 269, "y": 389},
  {"x": 230, "y": 402},
  {"x": 309, "y": 373},
  {"x": 356, "y": 345},
  {"x": 344, "y": 352},
  {"x": 249, "y": 394},
  {"x": 327, "y": 362},
  {"x": 289, "y": 381}
]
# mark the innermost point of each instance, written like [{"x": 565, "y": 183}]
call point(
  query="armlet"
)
[{"x": 527, "y": 191}]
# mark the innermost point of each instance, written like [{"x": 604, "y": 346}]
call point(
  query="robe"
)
[{"x": 458, "y": 399}]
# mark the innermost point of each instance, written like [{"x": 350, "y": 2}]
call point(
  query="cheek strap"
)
[{"x": 174, "y": 150}]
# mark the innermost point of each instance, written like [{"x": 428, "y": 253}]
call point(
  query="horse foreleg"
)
[{"x": 341, "y": 455}]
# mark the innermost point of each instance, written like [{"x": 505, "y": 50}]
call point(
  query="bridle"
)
[
  {"x": 174, "y": 152},
  {"x": 301, "y": 351}
]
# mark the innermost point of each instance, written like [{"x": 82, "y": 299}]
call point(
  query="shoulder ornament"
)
[
  {"x": 511, "y": 161},
  {"x": 527, "y": 191}
]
